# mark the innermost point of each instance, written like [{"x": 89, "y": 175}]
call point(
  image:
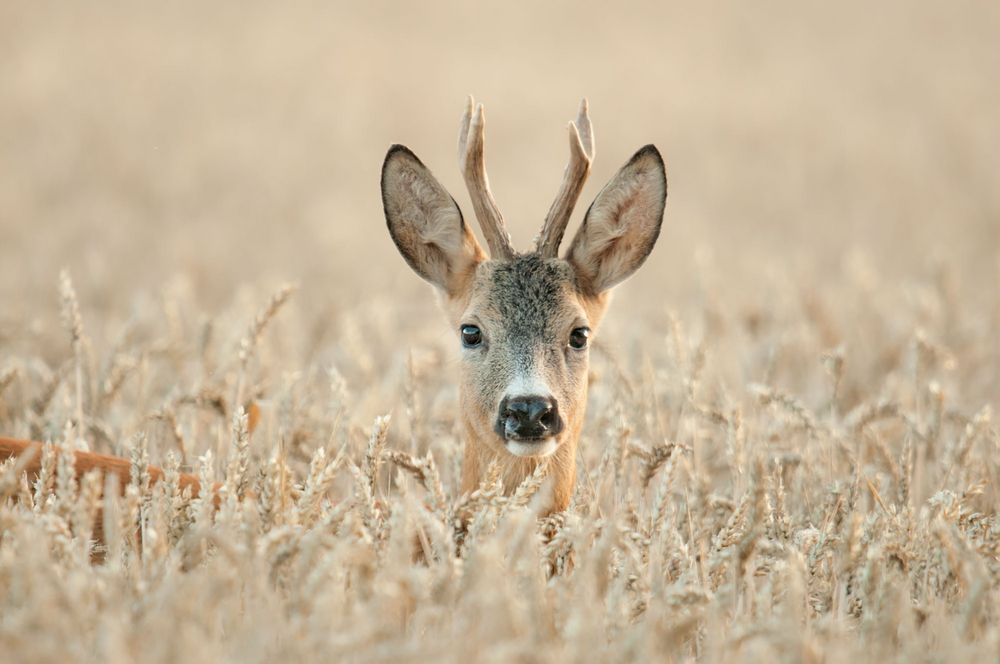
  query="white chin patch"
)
[{"x": 535, "y": 448}]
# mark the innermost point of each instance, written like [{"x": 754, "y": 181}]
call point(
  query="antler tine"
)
[
  {"x": 472, "y": 161},
  {"x": 581, "y": 156},
  {"x": 585, "y": 128}
]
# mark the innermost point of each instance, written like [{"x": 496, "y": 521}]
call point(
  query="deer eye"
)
[
  {"x": 472, "y": 336},
  {"x": 578, "y": 338}
]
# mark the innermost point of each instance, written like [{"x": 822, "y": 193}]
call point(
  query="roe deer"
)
[
  {"x": 29, "y": 455},
  {"x": 524, "y": 320}
]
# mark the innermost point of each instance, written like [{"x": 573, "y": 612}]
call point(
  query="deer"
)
[{"x": 524, "y": 322}]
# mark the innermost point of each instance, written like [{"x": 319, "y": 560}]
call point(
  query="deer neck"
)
[{"x": 561, "y": 466}]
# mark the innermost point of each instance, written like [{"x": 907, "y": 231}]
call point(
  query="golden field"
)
[{"x": 791, "y": 451}]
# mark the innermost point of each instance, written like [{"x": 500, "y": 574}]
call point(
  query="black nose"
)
[{"x": 528, "y": 418}]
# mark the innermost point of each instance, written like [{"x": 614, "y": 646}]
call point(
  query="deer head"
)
[{"x": 524, "y": 321}]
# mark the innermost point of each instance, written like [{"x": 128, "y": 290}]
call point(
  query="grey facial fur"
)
[{"x": 526, "y": 308}]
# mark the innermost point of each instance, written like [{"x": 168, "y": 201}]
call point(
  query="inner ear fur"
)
[
  {"x": 425, "y": 222},
  {"x": 622, "y": 224}
]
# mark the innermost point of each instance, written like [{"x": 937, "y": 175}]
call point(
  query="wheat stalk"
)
[
  {"x": 73, "y": 322},
  {"x": 250, "y": 340}
]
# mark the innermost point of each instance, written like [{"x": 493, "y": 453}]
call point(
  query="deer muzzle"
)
[{"x": 528, "y": 418}]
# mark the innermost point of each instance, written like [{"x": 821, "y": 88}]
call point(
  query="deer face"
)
[
  {"x": 524, "y": 322},
  {"x": 525, "y": 329}
]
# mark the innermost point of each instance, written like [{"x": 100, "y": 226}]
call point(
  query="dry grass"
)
[{"x": 790, "y": 454}]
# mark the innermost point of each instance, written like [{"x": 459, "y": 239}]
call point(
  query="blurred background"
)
[{"x": 227, "y": 143}]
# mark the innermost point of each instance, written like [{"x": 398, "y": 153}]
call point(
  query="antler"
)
[
  {"x": 581, "y": 155},
  {"x": 472, "y": 161}
]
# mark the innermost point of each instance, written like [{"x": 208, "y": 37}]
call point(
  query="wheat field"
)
[{"x": 790, "y": 453}]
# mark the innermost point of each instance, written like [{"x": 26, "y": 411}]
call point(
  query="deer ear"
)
[
  {"x": 622, "y": 223},
  {"x": 425, "y": 222}
]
